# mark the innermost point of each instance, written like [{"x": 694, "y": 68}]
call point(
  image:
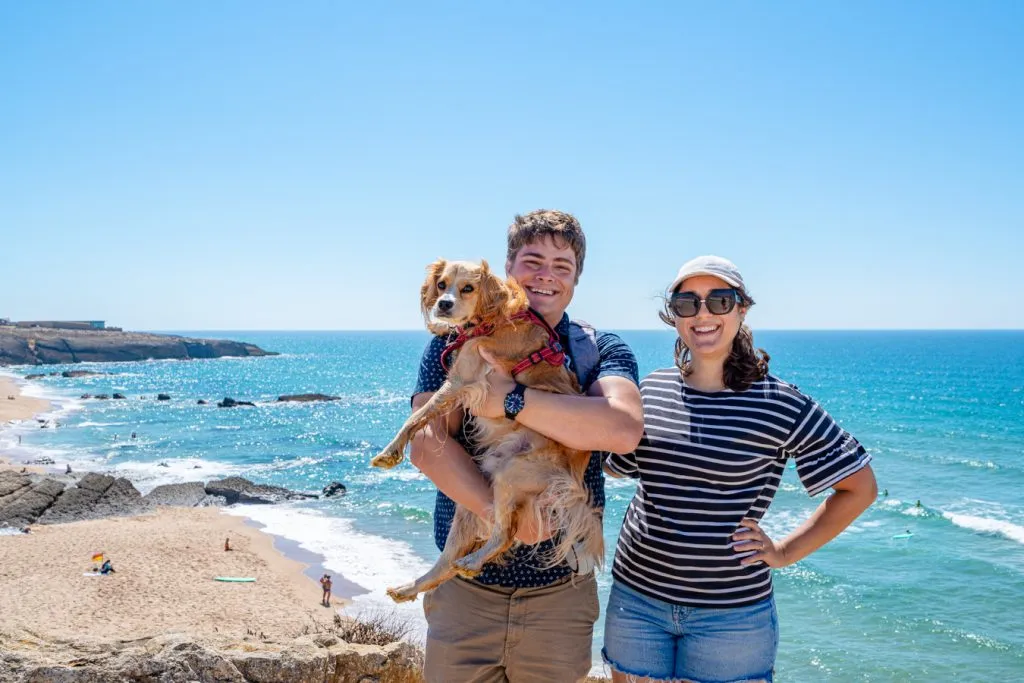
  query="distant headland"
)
[{"x": 53, "y": 342}]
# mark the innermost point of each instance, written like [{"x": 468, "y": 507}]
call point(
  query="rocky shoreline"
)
[
  {"x": 48, "y": 346},
  {"x": 28, "y": 498}
]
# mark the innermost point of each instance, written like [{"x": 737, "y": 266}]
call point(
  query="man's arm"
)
[
  {"x": 609, "y": 418},
  {"x": 436, "y": 453}
]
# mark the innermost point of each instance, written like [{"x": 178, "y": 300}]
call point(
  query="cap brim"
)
[{"x": 724, "y": 278}]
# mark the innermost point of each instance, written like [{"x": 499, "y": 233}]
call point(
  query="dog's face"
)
[{"x": 459, "y": 292}]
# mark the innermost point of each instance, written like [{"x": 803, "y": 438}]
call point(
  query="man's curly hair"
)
[{"x": 562, "y": 227}]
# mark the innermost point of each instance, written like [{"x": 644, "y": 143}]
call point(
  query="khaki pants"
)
[{"x": 491, "y": 634}]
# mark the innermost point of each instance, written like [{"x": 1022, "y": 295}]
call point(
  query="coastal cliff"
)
[{"x": 47, "y": 346}]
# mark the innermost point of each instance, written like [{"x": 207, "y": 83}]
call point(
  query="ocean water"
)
[{"x": 942, "y": 413}]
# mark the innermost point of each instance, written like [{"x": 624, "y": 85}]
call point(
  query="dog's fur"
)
[{"x": 529, "y": 473}]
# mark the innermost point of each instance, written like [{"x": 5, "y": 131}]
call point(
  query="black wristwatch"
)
[{"x": 515, "y": 401}]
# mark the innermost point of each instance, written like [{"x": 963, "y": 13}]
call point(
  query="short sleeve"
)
[
  {"x": 616, "y": 358},
  {"x": 623, "y": 465},
  {"x": 432, "y": 374},
  {"x": 825, "y": 453}
]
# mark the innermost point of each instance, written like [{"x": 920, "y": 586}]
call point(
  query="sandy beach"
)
[
  {"x": 164, "y": 582},
  {"x": 165, "y": 566},
  {"x": 14, "y": 406}
]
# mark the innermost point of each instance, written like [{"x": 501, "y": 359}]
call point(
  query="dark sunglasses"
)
[{"x": 718, "y": 301}]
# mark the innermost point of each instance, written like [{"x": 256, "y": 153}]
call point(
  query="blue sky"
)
[{"x": 256, "y": 165}]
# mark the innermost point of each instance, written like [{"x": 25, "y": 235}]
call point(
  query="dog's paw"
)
[
  {"x": 387, "y": 459},
  {"x": 467, "y": 573},
  {"x": 469, "y": 566},
  {"x": 403, "y": 594}
]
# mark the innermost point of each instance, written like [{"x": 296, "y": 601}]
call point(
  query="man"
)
[{"x": 515, "y": 621}]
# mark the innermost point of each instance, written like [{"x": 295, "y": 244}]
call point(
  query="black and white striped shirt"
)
[{"x": 706, "y": 461}]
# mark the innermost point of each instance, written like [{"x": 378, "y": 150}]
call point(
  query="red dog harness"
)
[{"x": 552, "y": 351}]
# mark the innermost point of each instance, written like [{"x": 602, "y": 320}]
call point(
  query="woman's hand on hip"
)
[{"x": 752, "y": 537}]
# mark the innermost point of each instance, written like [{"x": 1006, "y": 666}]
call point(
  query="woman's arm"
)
[{"x": 853, "y": 495}]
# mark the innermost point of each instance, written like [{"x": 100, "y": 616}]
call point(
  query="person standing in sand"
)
[
  {"x": 325, "y": 583},
  {"x": 516, "y": 622},
  {"x": 692, "y": 595}
]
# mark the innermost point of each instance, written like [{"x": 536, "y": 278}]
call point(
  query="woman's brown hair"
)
[{"x": 745, "y": 364}]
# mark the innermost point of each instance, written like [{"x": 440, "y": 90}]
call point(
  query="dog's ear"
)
[
  {"x": 497, "y": 301},
  {"x": 429, "y": 294},
  {"x": 517, "y": 300}
]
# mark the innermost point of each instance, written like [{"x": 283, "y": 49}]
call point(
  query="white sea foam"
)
[
  {"x": 146, "y": 476},
  {"x": 373, "y": 562},
  {"x": 1009, "y": 530}
]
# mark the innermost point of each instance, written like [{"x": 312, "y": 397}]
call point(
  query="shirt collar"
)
[{"x": 562, "y": 328}]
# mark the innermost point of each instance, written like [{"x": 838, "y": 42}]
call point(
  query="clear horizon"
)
[{"x": 252, "y": 166}]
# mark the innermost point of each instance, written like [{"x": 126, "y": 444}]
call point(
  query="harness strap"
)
[
  {"x": 552, "y": 351},
  {"x": 465, "y": 334}
]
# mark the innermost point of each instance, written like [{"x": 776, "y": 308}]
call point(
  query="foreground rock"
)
[
  {"x": 187, "y": 495},
  {"x": 33, "y": 499},
  {"x": 96, "y": 496},
  {"x": 239, "y": 490},
  {"x": 43, "y": 346},
  {"x": 306, "y": 398},
  {"x": 27, "y": 499},
  {"x": 174, "y": 658},
  {"x": 23, "y": 500}
]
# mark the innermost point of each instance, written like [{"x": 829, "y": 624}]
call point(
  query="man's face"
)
[{"x": 548, "y": 273}]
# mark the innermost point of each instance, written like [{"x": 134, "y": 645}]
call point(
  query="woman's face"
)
[{"x": 708, "y": 336}]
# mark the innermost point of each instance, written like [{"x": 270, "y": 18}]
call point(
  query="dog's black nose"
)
[{"x": 445, "y": 305}]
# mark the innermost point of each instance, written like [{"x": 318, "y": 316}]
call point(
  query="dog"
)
[{"x": 529, "y": 473}]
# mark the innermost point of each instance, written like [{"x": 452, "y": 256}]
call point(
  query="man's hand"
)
[{"x": 499, "y": 383}]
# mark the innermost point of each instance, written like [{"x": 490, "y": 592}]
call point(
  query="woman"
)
[{"x": 692, "y": 592}]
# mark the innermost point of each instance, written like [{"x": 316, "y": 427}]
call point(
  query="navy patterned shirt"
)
[{"x": 524, "y": 567}]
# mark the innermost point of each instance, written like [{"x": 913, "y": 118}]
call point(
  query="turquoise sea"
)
[{"x": 942, "y": 413}]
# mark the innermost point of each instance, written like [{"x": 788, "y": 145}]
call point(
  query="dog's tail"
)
[{"x": 579, "y": 535}]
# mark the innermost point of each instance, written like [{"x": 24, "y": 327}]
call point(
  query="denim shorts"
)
[{"x": 645, "y": 636}]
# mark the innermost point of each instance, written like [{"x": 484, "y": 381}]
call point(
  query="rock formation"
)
[
  {"x": 306, "y": 398},
  {"x": 175, "y": 658},
  {"x": 46, "y": 346}
]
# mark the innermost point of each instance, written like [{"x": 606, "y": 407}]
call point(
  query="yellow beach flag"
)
[{"x": 98, "y": 557}]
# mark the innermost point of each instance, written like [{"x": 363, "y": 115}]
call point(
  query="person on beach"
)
[
  {"x": 691, "y": 596},
  {"x": 107, "y": 567},
  {"x": 325, "y": 583},
  {"x": 517, "y": 621},
  {"x": 227, "y": 544}
]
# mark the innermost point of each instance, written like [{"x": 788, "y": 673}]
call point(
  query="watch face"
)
[{"x": 514, "y": 402}]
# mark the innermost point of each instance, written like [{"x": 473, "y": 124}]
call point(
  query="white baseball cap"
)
[{"x": 723, "y": 269}]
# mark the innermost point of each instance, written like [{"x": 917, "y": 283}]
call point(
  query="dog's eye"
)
[
  {"x": 467, "y": 289},
  {"x": 441, "y": 285}
]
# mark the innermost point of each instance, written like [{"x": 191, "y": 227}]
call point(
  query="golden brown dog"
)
[{"x": 529, "y": 473}]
